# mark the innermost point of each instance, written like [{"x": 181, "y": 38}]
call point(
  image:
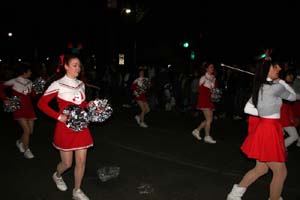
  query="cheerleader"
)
[
  {"x": 206, "y": 83},
  {"x": 266, "y": 144},
  {"x": 68, "y": 90},
  {"x": 22, "y": 87},
  {"x": 140, "y": 87},
  {"x": 296, "y": 104},
  {"x": 287, "y": 115}
]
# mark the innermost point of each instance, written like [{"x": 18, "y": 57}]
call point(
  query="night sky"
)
[{"x": 225, "y": 30}]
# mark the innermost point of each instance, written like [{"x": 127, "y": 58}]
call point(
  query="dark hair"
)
[
  {"x": 22, "y": 68},
  {"x": 69, "y": 57},
  {"x": 260, "y": 78}
]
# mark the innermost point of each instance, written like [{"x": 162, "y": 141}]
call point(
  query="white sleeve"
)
[
  {"x": 202, "y": 80},
  {"x": 54, "y": 87},
  {"x": 10, "y": 82},
  {"x": 287, "y": 86},
  {"x": 250, "y": 109}
]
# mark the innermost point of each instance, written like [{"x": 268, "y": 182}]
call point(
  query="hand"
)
[{"x": 62, "y": 118}]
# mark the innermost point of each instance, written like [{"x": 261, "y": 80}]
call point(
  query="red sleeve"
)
[
  {"x": 33, "y": 94},
  {"x": 134, "y": 86},
  {"x": 84, "y": 104},
  {"x": 2, "y": 93},
  {"x": 43, "y": 105}
]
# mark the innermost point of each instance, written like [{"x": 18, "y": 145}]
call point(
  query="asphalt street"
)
[{"x": 161, "y": 162}]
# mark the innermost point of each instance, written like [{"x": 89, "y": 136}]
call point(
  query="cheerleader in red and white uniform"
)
[
  {"x": 140, "y": 87},
  {"x": 287, "y": 115},
  {"x": 25, "y": 116},
  {"x": 206, "y": 83},
  {"x": 265, "y": 144},
  {"x": 68, "y": 91},
  {"x": 296, "y": 104}
]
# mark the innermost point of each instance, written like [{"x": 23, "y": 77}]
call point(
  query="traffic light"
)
[
  {"x": 263, "y": 55},
  {"x": 185, "y": 44},
  {"x": 192, "y": 56}
]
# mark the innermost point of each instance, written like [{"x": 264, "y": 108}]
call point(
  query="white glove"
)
[{"x": 250, "y": 109}]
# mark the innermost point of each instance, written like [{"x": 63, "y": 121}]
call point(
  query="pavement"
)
[{"x": 161, "y": 162}]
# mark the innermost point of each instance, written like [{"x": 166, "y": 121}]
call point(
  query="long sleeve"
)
[
  {"x": 2, "y": 93},
  {"x": 284, "y": 91},
  {"x": 134, "y": 86},
  {"x": 4, "y": 85},
  {"x": 250, "y": 109},
  {"x": 43, "y": 105}
]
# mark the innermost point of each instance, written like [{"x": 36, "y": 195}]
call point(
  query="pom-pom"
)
[
  {"x": 77, "y": 118},
  {"x": 99, "y": 110},
  {"x": 39, "y": 85},
  {"x": 142, "y": 86},
  {"x": 216, "y": 94},
  {"x": 108, "y": 173},
  {"x": 12, "y": 104}
]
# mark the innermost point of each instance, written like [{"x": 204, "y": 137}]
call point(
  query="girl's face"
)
[
  {"x": 274, "y": 72},
  {"x": 73, "y": 68},
  {"x": 210, "y": 69},
  {"x": 141, "y": 73},
  {"x": 289, "y": 78},
  {"x": 27, "y": 74}
]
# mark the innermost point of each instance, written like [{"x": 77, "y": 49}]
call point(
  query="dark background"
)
[{"x": 233, "y": 31}]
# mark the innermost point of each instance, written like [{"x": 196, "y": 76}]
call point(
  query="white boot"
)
[{"x": 236, "y": 193}]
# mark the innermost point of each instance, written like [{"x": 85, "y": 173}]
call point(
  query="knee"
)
[
  {"x": 80, "y": 162},
  {"x": 26, "y": 131},
  {"x": 284, "y": 172},
  {"x": 262, "y": 170},
  {"x": 67, "y": 164},
  {"x": 208, "y": 121}
]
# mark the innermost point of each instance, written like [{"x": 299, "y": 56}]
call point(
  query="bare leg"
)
[
  {"x": 27, "y": 130},
  {"x": 142, "y": 114},
  {"x": 65, "y": 163},
  {"x": 208, "y": 114},
  {"x": 201, "y": 126},
  {"x": 252, "y": 175},
  {"x": 144, "y": 109},
  {"x": 279, "y": 175},
  {"x": 293, "y": 135},
  {"x": 80, "y": 159}
]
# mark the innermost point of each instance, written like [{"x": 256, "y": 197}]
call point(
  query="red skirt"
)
[
  {"x": 252, "y": 123},
  {"x": 66, "y": 139},
  {"x": 296, "y": 109},
  {"x": 26, "y": 110},
  {"x": 204, "y": 99},
  {"x": 287, "y": 116},
  {"x": 266, "y": 144},
  {"x": 142, "y": 97}
]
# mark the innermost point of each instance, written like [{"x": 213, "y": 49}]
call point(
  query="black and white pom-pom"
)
[
  {"x": 39, "y": 85},
  {"x": 99, "y": 110},
  {"x": 108, "y": 173},
  {"x": 12, "y": 104},
  {"x": 143, "y": 87},
  {"x": 77, "y": 117},
  {"x": 216, "y": 94}
]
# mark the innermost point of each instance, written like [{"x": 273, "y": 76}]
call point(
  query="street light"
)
[
  {"x": 10, "y": 34},
  {"x": 127, "y": 10}
]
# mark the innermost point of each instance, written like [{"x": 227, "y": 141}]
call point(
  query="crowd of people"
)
[{"x": 271, "y": 99}]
